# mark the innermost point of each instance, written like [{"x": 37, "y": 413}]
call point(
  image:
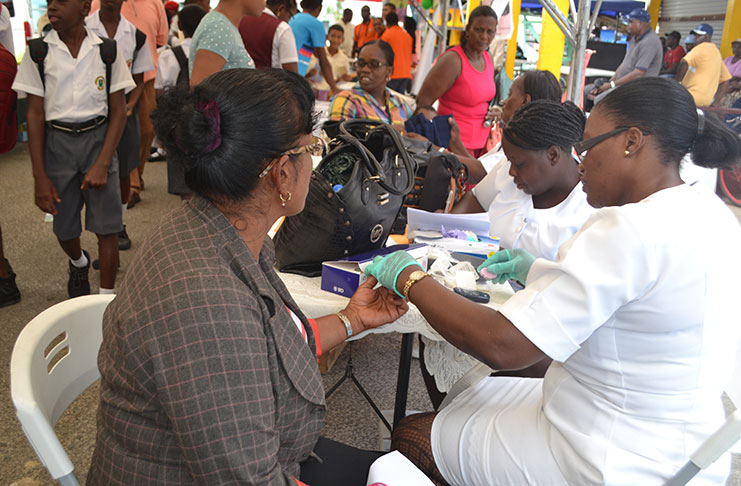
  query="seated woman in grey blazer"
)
[{"x": 209, "y": 369}]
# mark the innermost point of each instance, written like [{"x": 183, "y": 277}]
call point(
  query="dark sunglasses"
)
[{"x": 581, "y": 148}]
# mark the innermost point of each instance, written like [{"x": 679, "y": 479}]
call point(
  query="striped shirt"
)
[{"x": 358, "y": 103}]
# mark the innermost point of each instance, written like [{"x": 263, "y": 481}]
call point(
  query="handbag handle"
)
[{"x": 370, "y": 160}]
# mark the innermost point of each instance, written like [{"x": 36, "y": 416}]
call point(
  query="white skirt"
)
[{"x": 495, "y": 433}]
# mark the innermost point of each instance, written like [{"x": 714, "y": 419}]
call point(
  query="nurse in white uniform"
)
[
  {"x": 536, "y": 202},
  {"x": 638, "y": 313}
]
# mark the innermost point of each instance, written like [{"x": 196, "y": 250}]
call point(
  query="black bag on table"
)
[{"x": 355, "y": 195}]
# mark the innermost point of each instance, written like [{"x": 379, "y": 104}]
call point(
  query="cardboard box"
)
[{"x": 342, "y": 277}]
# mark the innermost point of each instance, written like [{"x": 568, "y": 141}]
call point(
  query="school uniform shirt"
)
[
  {"x": 639, "y": 314},
  {"x": 349, "y": 33},
  {"x": 519, "y": 225},
  {"x": 148, "y": 16},
  {"x": 309, "y": 34},
  {"x": 125, "y": 38},
  {"x": 169, "y": 68},
  {"x": 340, "y": 64},
  {"x": 75, "y": 87},
  {"x": 217, "y": 34}
]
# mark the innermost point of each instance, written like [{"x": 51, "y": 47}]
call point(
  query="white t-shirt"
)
[
  {"x": 346, "y": 45},
  {"x": 169, "y": 69},
  {"x": 640, "y": 315},
  {"x": 6, "y": 30},
  {"x": 284, "y": 44},
  {"x": 75, "y": 87},
  {"x": 519, "y": 225},
  {"x": 126, "y": 40}
]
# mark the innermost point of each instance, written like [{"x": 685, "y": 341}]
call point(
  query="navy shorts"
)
[{"x": 67, "y": 157}]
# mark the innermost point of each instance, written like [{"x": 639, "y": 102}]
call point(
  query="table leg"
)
[{"x": 402, "y": 383}]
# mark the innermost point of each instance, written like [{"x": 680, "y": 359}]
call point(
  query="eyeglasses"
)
[
  {"x": 315, "y": 148},
  {"x": 582, "y": 147},
  {"x": 360, "y": 64}
]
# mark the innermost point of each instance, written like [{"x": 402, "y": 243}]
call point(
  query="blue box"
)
[{"x": 342, "y": 277}]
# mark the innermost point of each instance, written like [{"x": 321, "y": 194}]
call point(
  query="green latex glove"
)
[
  {"x": 387, "y": 269},
  {"x": 507, "y": 265}
]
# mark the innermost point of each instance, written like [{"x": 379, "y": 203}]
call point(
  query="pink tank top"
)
[{"x": 468, "y": 100}]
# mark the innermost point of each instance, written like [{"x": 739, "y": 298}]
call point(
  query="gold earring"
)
[
  {"x": 284, "y": 199},
  {"x": 627, "y": 153}
]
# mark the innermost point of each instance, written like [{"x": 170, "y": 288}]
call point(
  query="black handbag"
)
[{"x": 355, "y": 195}]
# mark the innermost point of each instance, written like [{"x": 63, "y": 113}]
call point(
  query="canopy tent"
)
[{"x": 607, "y": 8}]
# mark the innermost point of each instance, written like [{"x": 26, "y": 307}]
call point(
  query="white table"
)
[{"x": 445, "y": 362}]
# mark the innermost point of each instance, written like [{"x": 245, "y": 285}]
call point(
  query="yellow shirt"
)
[{"x": 705, "y": 72}]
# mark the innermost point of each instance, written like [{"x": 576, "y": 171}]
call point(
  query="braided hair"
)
[{"x": 545, "y": 123}]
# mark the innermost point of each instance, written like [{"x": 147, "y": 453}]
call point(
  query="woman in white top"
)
[{"x": 638, "y": 313}]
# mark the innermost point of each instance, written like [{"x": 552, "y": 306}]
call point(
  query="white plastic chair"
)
[
  {"x": 727, "y": 437},
  {"x": 54, "y": 360}
]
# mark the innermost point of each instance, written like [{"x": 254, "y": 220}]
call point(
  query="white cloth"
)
[
  {"x": 169, "y": 69},
  {"x": 519, "y": 225},
  {"x": 126, "y": 41},
  {"x": 284, "y": 44},
  {"x": 75, "y": 87},
  {"x": 349, "y": 33},
  {"x": 6, "y": 30},
  {"x": 639, "y": 313}
]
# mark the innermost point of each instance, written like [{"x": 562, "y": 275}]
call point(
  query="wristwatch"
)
[
  {"x": 612, "y": 84},
  {"x": 414, "y": 277}
]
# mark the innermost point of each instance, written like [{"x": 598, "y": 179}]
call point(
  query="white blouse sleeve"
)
[{"x": 601, "y": 268}]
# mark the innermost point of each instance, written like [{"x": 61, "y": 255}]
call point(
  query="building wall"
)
[{"x": 684, "y": 15}]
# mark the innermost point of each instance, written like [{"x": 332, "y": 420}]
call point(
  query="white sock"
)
[
  {"x": 124, "y": 207},
  {"x": 80, "y": 262},
  {"x": 107, "y": 291}
]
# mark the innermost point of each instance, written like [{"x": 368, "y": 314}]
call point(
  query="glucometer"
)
[{"x": 473, "y": 295}]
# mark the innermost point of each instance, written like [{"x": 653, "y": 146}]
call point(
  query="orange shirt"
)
[
  {"x": 364, "y": 32},
  {"x": 401, "y": 43}
]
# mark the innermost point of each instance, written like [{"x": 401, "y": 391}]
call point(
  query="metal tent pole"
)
[{"x": 581, "y": 34}]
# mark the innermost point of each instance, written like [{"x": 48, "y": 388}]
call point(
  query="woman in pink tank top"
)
[{"x": 462, "y": 80}]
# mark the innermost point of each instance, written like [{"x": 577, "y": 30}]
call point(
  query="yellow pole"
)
[
  {"x": 509, "y": 64},
  {"x": 653, "y": 9},
  {"x": 731, "y": 27},
  {"x": 552, "y": 40}
]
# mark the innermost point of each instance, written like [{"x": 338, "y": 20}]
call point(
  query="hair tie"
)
[
  {"x": 700, "y": 123},
  {"x": 210, "y": 110}
]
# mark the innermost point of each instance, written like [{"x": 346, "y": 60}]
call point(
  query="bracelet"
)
[
  {"x": 441, "y": 149},
  {"x": 414, "y": 277},
  {"x": 346, "y": 322},
  {"x": 612, "y": 84}
]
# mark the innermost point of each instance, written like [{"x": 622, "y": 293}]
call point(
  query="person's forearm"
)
[
  {"x": 634, "y": 74},
  {"x": 116, "y": 122},
  {"x": 36, "y": 139},
  {"x": 681, "y": 71},
  {"x": 468, "y": 204},
  {"x": 327, "y": 73},
  {"x": 332, "y": 331},
  {"x": 135, "y": 94},
  {"x": 473, "y": 328},
  {"x": 290, "y": 67}
]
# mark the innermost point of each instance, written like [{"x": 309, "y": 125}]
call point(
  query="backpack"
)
[
  {"x": 141, "y": 38},
  {"x": 8, "y": 101},
  {"x": 183, "y": 76},
  {"x": 38, "y": 49}
]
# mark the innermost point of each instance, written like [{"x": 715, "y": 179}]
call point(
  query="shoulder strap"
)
[
  {"x": 183, "y": 62},
  {"x": 141, "y": 39},
  {"x": 38, "y": 49},
  {"x": 108, "y": 54}
]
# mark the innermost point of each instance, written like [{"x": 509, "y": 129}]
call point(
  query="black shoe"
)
[
  {"x": 157, "y": 157},
  {"x": 9, "y": 293},
  {"x": 78, "y": 283},
  {"x": 134, "y": 199},
  {"x": 124, "y": 243}
]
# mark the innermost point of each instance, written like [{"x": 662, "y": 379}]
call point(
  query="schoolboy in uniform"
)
[
  {"x": 108, "y": 22},
  {"x": 73, "y": 132},
  {"x": 173, "y": 68}
]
